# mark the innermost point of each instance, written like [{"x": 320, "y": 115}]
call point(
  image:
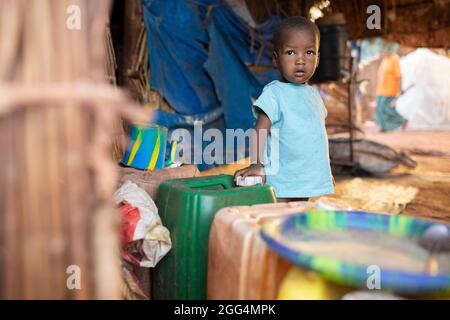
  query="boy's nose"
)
[{"x": 299, "y": 60}]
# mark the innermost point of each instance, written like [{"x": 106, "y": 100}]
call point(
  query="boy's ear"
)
[{"x": 275, "y": 58}]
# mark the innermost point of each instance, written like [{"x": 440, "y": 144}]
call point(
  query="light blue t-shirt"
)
[{"x": 299, "y": 165}]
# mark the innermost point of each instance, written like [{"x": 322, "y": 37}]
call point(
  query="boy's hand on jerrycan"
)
[{"x": 254, "y": 170}]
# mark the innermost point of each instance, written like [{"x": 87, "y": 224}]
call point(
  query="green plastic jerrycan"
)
[{"x": 187, "y": 208}]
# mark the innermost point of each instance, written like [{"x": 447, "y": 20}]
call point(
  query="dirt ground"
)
[{"x": 431, "y": 151}]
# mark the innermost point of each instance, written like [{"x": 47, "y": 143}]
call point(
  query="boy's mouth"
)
[{"x": 300, "y": 73}]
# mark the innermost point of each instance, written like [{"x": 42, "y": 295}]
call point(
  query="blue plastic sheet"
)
[
  {"x": 200, "y": 52},
  {"x": 233, "y": 46},
  {"x": 177, "y": 42}
]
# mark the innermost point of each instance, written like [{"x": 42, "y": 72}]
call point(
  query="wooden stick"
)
[
  {"x": 56, "y": 176},
  {"x": 13, "y": 96}
]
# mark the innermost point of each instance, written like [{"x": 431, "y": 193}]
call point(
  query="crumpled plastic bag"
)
[{"x": 145, "y": 240}]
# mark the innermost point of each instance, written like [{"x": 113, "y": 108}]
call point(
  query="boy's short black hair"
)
[{"x": 295, "y": 22}]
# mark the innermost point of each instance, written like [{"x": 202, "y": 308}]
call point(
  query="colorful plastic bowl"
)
[{"x": 360, "y": 249}]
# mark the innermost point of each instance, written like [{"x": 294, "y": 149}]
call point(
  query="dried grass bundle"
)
[{"x": 57, "y": 118}]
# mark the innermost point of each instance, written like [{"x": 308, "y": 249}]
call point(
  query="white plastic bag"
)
[{"x": 145, "y": 233}]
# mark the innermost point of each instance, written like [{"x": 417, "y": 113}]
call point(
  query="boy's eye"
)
[
  {"x": 290, "y": 52},
  {"x": 310, "y": 52}
]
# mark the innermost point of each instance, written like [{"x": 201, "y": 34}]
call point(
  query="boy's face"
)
[{"x": 298, "y": 55}]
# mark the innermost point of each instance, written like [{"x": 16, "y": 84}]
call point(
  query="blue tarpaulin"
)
[
  {"x": 200, "y": 52},
  {"x": 233, "y": 46},
  {"x": 177, "y": 42}
]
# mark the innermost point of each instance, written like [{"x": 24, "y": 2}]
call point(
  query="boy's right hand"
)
[{"x": 254, "y": 170}]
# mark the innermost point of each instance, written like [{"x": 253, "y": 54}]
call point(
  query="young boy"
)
[{"x": 291, "y": 113}]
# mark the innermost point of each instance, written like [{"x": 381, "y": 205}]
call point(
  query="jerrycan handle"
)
[{"x": 220, "y": 182}]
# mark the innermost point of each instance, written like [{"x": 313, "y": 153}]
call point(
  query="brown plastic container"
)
[{"x": 240, "y": 264}]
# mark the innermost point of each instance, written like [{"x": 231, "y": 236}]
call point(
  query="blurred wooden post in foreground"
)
[{"x": 57, "y": 116}]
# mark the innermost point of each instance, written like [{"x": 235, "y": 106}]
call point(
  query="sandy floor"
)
[
  {"x": 431, "y": 150},
  {"x": 431, "y": 176}
]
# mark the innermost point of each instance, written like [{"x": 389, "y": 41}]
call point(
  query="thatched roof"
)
[{"x": 411, "y": 22}]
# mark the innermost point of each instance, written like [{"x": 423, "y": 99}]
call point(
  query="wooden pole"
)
[{"x": 57, "y": 177}]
